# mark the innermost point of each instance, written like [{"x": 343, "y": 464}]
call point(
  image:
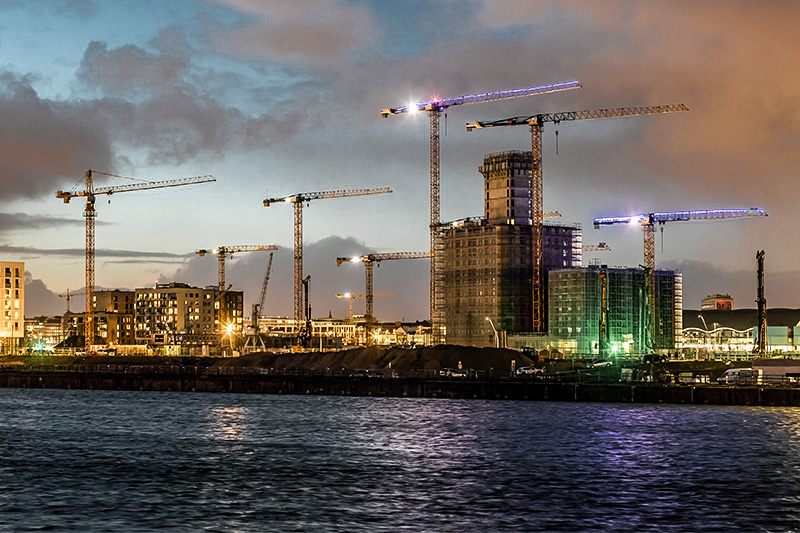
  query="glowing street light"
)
[{"x": 496, "y": 336}]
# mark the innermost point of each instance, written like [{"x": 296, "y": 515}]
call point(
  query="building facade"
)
[
  {"x": 180, "y": 314},
  {"x": 722, "y": 302},
  {"x": 12, "y": 305},
  {"x": 576, "y": 303},
  {"x": 488, "y": 263}
]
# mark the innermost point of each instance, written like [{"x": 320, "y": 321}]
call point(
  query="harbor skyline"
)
[{"x": 274, "y": 99}]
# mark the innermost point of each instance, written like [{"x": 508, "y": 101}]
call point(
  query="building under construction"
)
[
  {"x": 193, "y": 317},
  {"x": 488, "y": 263},
  {"x": 576, "y": 310}
]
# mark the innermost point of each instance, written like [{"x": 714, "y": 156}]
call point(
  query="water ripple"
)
[{"x": 138, "y": 461}]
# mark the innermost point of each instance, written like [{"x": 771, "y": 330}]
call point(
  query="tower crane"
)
[
  {"x": 435, "y": 107},
  {"x": 255, "y": 339},
  {"x": 369, "y": 260},
  {"x": 69, "y": 296},
  {"x": 223, "y": 251},
  {"x": 262, "y": 297},
  {"x": 536, "y": 123},
  {"x": 350, "y": 297},
  {"x": 90, "y": 193},
  {"x": 648, "y": 222},
  {"x": 298, "y": 200}
]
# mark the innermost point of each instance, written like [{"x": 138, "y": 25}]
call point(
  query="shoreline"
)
[{"x": 261, "y": 381}]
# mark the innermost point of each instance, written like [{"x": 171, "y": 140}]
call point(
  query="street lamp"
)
[
  {"x": 708, "y": 333},
  {"x": 496, "y": 337}
]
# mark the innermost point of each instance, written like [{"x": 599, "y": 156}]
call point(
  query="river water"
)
[{"x": 76, "y": 460}]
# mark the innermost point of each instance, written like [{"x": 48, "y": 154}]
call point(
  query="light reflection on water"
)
[{"x": 99, "y": 460}]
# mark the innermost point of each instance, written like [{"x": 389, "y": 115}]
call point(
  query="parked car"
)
[
  {"x": 453, "y": 373},
  {"x": 599, "y": 364},
  {"x": 529, "y": 371},
  {"x": 654, "y": 358}
]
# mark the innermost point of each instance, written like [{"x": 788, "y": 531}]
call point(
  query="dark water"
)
[{"x": 142, "y": 461}]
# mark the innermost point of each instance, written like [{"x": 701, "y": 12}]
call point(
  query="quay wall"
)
[{"x": 202, "y": 380}]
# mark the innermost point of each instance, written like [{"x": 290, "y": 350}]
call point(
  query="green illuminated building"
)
[{"x": 575, "y": 304}]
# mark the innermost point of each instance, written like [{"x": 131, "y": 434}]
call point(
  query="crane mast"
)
[
  {"x": 223, "y": 251},
  {"x": 369, "y": 260},
  {"x": 298, "y": 200},
  {"x": 536, "y": 124},
  {"x": 760, "y": 347},
  {"x": 90, "y": 193},
  {"x": 435, "y": 107},
  {"x": 648, "y": 222}
]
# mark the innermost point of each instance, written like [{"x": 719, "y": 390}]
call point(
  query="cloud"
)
[
  {"x": 15, "y": 221},
  {"x": 312, "y": 32},
  {"x": 44, "y": 142},
  {"x": 28, "y": 251},
  {"x": 39, "y": 300},
  {"x": 175, "y": 111}
]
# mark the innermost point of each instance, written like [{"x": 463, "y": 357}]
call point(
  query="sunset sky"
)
[{"x": 280, "y": 97}]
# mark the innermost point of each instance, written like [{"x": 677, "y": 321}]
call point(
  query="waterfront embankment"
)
[{"x": 263, "y": 381}]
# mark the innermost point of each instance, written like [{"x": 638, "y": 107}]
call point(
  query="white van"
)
[{"x": 742, "y": 376}]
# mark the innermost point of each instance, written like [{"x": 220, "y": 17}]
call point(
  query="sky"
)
[{"x": 275, "y": 97}]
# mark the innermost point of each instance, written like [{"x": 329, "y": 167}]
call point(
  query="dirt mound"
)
[
  {"x": 372, "y": 357},
  {"x": 427, "y": 358}
]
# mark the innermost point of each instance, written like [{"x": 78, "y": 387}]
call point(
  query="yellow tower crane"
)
[
  {"x": 223, "y": 251},
  {"x": 350, "y": 297},
  {"x": 435, "y": 107},
  {"x": 298, "y": 200},
  {"x": 69, "y": 295},
  {"x": 90, "y": 192},
  {"x": 369, "y": 260},
  {"x": 536, "y": 123}
]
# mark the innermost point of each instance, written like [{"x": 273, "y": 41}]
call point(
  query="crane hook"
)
[{"x": 557, "y": 122}]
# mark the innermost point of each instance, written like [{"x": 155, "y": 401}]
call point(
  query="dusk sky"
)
[{"x": 280, "y": 97}]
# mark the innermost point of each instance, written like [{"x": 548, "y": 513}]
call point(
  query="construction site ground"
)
[{"x": 403, "y": 360}]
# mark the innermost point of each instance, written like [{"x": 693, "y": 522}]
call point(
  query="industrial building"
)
[
  {"x": 488, "y": 263},
  {"x": 12, "y": 325},
  {"x": 575, "y": 310}
]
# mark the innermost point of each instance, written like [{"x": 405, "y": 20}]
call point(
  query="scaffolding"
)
[{"x": 575, "y": 308}]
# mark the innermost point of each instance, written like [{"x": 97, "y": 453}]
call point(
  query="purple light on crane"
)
[
  {"x": 442, "y": 104},
  {"x": 677, "y": 216}
]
